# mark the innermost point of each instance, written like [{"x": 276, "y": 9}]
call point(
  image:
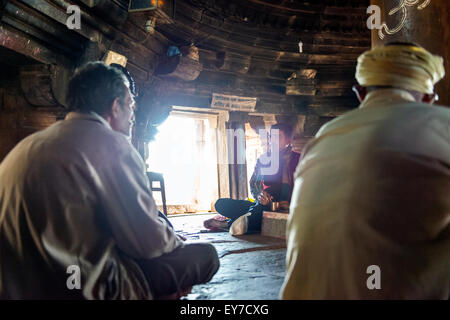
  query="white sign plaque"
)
[{"x": 233, "y": 103}]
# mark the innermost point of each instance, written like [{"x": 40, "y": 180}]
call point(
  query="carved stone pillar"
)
[{"x": 424, "y": 23}]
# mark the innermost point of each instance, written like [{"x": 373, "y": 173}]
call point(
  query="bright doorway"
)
[{"x": 185, "y": 152}]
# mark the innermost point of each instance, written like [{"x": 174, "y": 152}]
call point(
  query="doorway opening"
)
[{"x": 185, "y": 152}]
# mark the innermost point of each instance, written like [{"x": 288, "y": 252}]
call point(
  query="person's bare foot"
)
[{"x": 214, "y": 224}]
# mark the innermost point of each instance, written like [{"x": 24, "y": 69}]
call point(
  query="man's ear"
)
[
  {"x": 360, "y": 92},
  {"x": 115, "y": 108}
]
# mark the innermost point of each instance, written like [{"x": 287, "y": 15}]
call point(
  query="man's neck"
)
[{"x": 386, "y": 97}]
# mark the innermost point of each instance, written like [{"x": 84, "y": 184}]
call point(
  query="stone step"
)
[{"x": 274, "y": 224}]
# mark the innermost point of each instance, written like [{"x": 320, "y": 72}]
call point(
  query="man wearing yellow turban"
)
[{"x": 370, "y": 211}]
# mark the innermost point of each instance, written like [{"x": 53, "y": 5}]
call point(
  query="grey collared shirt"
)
[{"x": 77, "y": 194}]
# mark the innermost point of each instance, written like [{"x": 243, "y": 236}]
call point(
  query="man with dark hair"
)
[
  {"x": 370, "y": 212},
  {"x": 266, "y": 185},
  {"x": 77, "y": 216}
]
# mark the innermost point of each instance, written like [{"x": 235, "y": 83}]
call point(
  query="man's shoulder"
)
[
  {"x": 94, "y": 132},
  {"x": 408, "y": 128},
  {"x": 415, "y": 109},
  {"x": 80, "y": 139},
  {"x": 402, "y": 112}
]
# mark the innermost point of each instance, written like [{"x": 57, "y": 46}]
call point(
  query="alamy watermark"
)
[
  {"x": 374, "y": 21},
  {"x": 270, "y": 161},
  {"x": 74, "y": 19},
  {"x": 73, "y": 281},
  {"x": 235, "y": 153},
  {"x": 374, "y": 280}
]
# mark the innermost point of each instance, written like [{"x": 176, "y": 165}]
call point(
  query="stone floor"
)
[{"x": 252, "y": 267}]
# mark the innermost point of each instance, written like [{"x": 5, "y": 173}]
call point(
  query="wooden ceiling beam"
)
[
  {"x": 193, "y": 17},
  {"x": 21, "y": 43},
  {"x": 189, "y": 20}
]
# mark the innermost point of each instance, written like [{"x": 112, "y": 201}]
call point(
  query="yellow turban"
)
[{"x": 402, "y": 66}]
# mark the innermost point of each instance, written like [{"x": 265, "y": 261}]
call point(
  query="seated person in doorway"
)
[
  {"x": 370, "y": 212},
  {"x": 266, "y": 185},
  {"x": 77, "y": 216}
]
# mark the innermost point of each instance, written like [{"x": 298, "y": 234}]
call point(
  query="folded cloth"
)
[{"x": 240, "y": 226}]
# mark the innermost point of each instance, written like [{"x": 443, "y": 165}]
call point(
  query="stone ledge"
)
[{"x": 274, "y": 224}]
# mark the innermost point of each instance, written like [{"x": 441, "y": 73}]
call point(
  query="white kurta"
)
[
  {"x": 77, "y": 194},
  {"x": 373, "y": 189}
]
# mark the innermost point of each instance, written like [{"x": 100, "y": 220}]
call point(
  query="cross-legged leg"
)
[
  {"x": 186, "y": 266},
  {"x": 232, "y": 208},
  {"x": 255, "y": 217}
]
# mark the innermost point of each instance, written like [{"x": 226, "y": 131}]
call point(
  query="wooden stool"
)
[{"x": 154, "y": 176}]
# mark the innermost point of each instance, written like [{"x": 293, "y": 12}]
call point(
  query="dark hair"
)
[
  {"x": 286, "y": 128},
  {"x": 94, "y": 87},
  {"x": 128, "y": 75}
]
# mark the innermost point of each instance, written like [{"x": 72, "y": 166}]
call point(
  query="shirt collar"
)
[
  {"x": 386, "y": 97},
  {"x": 93, "y": 116}
]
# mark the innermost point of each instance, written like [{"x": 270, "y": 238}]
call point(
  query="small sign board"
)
[
  {"x": 233, "y": 103},
  {"x": 114, "y": 57}
]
